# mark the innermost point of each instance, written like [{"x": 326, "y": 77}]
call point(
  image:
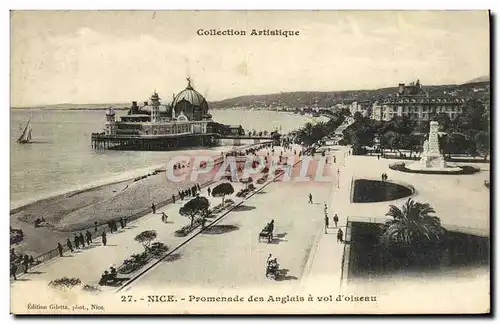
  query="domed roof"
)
[
  {"x": 161, "y": 108},
  {"x": 190, "y": 95}
]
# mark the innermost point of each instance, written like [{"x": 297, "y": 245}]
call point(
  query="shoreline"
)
[
  {"x": 15, "y": 206},
  {"x": 76, "y": 210}
]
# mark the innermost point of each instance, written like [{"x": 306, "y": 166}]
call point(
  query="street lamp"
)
[{"x": 338, "y": 178}]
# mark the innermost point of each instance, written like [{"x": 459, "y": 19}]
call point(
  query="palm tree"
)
[{"x": 412, "y": 226}]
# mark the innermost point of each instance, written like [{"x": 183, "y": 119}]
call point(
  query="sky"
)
[{"x": 121, "y": 56}]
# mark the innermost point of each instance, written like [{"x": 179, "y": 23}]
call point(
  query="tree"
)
[
  {"x": 247, "y": 181},
  {"x": 389, "y": 140},
  {"x": 145, "y": 238},
  {"x": 357, "y": 116},
  {"x": 455, "y": 143},
  {"x": 411, "y": 226},
  {"x": 196, "y": 206},
  {"x": 482, "y": 142},
  {"x": 444, "y": 121},
  {"x": 222, "y": 190}
]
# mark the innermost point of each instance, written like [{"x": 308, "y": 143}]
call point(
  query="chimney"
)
[
  {"x": 134, "y": 107},
  {"x": 401, "y": 88}
]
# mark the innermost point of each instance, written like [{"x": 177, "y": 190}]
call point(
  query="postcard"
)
[{"x": 250, "y": 162}]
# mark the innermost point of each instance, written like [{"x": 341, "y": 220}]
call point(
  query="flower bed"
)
[
  {"x": 465, "y": 169},
  {"x": 262, "y": 180},
  {"x": 137, "y": 261},
  {"x": 220, "y": 208},
  {"x": 185, "y": 230},
  {"x": 244, "y": 192},
  {"x": 65, "y": 282}
]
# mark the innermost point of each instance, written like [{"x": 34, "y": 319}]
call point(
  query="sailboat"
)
[{"x": 26, "y": 135}]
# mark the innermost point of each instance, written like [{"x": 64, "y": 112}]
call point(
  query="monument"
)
[{"x": 432, "y": 159}]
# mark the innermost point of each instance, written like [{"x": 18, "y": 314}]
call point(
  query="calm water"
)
[{"x": 61, "y": 158}]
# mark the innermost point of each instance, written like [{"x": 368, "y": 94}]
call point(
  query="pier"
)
[{"x": 101, "y": 141}]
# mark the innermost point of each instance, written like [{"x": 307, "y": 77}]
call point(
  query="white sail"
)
[
  {"x": 29, "y": 134},
  {"x": 26, "y": 135}
]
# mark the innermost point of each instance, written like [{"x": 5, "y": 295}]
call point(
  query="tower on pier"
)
[
  {"x": 110, "y": 122},
  {"x": 155, "y": 110}
]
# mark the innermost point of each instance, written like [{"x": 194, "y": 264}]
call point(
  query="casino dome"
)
[{"x": 191, "y": 103}]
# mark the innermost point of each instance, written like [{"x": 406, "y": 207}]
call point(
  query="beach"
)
[{"x": 77, "y": 210}]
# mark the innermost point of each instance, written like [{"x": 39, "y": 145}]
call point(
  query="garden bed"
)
[
  {"x": 368, "y": 259},
  {"x": 368, "y": 191},
  {"x": 465, "y": 169},
  {"x": 220, "y": 208},
  {"x": 185, "y": 230},
  {"x": 137, "y": 261},
  {"x": 246, "y": 191}
]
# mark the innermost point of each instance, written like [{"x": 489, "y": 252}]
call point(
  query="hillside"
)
[
  {"x": 327, "y": 99},
  {"x": 484, "y": 78},
  {"x": 299, "y": 99}
]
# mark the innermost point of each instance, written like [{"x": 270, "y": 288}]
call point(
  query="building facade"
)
[
  {"x": 412, "y": 101},
  {"x": 188, "y": 114}
]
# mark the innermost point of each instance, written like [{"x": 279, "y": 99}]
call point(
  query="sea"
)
[{"x": 61, "y": 158}]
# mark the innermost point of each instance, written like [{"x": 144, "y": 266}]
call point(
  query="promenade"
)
[{"x": 231, "y": 258}]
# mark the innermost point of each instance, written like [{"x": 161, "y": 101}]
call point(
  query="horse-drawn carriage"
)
[
  {"x": 267, "y": 232},
  {"x": 272, "y": 268}
]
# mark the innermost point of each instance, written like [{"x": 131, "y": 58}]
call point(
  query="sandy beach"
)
[{"x": 78, "y": 210}]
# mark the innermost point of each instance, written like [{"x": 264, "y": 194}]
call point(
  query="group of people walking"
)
[
  {"x": 340, "y": 233},
  {"x": 189, "y": 192},
  {"x": 16, "y": 260}
]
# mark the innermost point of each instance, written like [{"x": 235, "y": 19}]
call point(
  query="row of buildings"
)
[{"x": 412, "y": 101}]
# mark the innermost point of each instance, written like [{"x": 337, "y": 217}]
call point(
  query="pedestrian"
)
[
  {"x": 386, "y": 176},
  {"x": 198, "y": 185},
  {"x": 164, "y": 217},
  {"x": 88, "y": 236},
  {"x": 173, "y": 198},
  {"x": 122, "y": 222},
  {"x": 104, "y": 239},
  {"x": 340, "y": 236},
  {"x": 59, "y": 247},
  {"x": 115, "y": 225},
  {"x": 335, "y": 219},
  {"x": 209, "y": 191},
  {"x": 153, "y": 207},
  {"x": 327, "y": 223},
  {"x": 82, "y": 240},
  {"x": 76, "y": 240},
  {"x": 180, "y": 195},
  {"x": 334, "y": 159},
  {"x": 326, "y": 160},
  {"x": 69, "y": 245},
  {"x": 378, "y": 156},
  {"x": 26, "y": 262},
  {"x": 125, "y": 221},
  {"x": 95, "y": 227},
  {"x": 383, "y": 177},
  {"x": 310, "y": 199},
  {"x": 110, "y": 225},
  {"x": 326, "y": 209},
  {"x": 13, "y": 270}
]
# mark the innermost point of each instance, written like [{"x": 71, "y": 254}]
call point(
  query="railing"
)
[
  {"x": 450, "y": 227},
  {"x": 365, "y": 219}
]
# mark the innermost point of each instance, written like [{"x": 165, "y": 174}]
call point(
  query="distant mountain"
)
[
  {"x": 484, "y": 78},
  {"x": 69, "y": 106},
  {"x": 328, "y": 99}
]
